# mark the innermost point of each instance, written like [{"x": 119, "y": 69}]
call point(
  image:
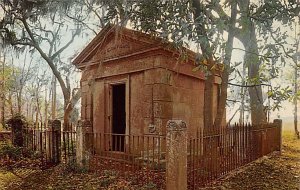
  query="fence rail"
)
[
  {"x": 54, "y": 146},
  {"x": 141, "y": 156},
  {"x": 211, "y": 153},
  {"x": 217, "y": 151}
]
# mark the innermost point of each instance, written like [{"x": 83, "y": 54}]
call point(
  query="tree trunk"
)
[
  {"x": 53, "y": 102},
  {"x": 3, "y": 93},
  {"x": 251, "y": 59},
  {"x": 9, "y": 101},
  {"x": 243, "y": 91},
  {"x": 67, "y": 114},
  {"x": 19, "y": 100},
  {"x": 65, "y": 90},
  {"x": 69, "y": 108},
  {"x": 46, "y": 108},
  {"x": 221, "y": 107},
  {"x": 225, "y": 75},
  {"x": 37, "y": 110},
  {"x": 208, "y": 55},
  {"x": 296, "y": 102},
  {"x": 252, "y": 62}
]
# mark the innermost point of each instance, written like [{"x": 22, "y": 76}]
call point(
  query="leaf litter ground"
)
[{"x": 274, "y": 171}]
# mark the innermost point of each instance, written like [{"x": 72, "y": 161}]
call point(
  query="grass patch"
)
[
  {"x": 291, "y": 145},
  {"x": 290, "y": 140},
  {"x": 6, "y": 178}
]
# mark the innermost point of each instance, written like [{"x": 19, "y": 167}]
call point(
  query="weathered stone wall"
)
[
  {"x": 99, "y": 103},
  {"x": 160, "y": 89},
  {"x": 136, "y": 103},
  {"x": 188, "y": 101},
  {"x": 157, "y": 99}
]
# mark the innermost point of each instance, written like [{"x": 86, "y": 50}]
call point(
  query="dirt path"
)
[{"x": 270, "y": 172}]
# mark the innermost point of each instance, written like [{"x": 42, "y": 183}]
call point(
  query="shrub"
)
[{"x": 8, "y": 151}]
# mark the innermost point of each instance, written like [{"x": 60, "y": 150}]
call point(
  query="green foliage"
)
[
  {"x": 169, "y": 20},
  {"x": 18, "y": 120},
  {"x": 8, "y": 151},
  {"x": 15, "y": 153},
  {"x": 278, "y": 95},
  {"x": 7, "y": 76},
  {"x": 269, "y": 11}
]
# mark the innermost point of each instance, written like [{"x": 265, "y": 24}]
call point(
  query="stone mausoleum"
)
[{"x": 133, "y": 84}]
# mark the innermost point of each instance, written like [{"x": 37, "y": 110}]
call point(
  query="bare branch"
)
[
  {"x": 83, "y": 23},
  {"x": 65, "y": 46},
  {"x": 48, "y": 60},
  {"x": 269, "y": 57},
  {"x": 247, "y": 86}
]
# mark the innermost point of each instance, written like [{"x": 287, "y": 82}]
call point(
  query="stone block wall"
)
[{"x": 159, "y": 90}]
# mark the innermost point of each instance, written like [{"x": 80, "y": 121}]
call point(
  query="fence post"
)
[
  {"x": 56, "y": 141},
  {"x": 56, "y": 127},
  {"x": 278, "y": 123},
  {"x": 263, "y": 146},
  {"x": 48, "y": 137},
  {"x": 18, "y": 124},
  {"x": 84, "y": 128},
  {"x": 53, "y": 141},
  {"x": 176, "y": 155}
]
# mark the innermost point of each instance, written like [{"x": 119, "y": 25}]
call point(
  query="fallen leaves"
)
[{"x": 270, "y": 172}]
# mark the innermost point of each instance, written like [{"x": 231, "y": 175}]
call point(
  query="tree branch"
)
[
  {"x": 65, "y": 46},
  {"x": 83, "y": 23},
  {"x": 247, "y": 86},
  {"x": 269, "y": 57},
  {"x": 65, "y": 91}
]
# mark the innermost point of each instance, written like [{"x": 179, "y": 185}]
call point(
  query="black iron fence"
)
[
  {"x": 53, "y": 146},
  {"x": 212, "y": 152},
  {"x": 138, "y": 156},
  {"x": 216, "y": 151}
]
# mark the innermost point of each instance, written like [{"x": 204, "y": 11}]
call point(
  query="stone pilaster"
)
[
  {"x": 83, "y": 144},
  {"x": 176, "y": 168}
]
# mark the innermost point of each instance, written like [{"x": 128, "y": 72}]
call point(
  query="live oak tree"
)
[
  {"x": 258, "y": 21},
  {"x": 206, "y": 23},
  {"x": 39, "y": 25},
  {"x": 210, "y": 25},
  {"x": 176, "y": 21}
]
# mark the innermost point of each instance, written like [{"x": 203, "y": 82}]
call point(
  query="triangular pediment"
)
[
  {"x": 118, "y": 46},
  {"x": 113, "y": 43}
]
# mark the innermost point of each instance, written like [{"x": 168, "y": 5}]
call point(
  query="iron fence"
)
[
  {"x": 53, "y": 146},
  {"x": 216, "y": 151},
  {"x": 212, "y": 152},
  {"x": 141, "y": 156}
]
